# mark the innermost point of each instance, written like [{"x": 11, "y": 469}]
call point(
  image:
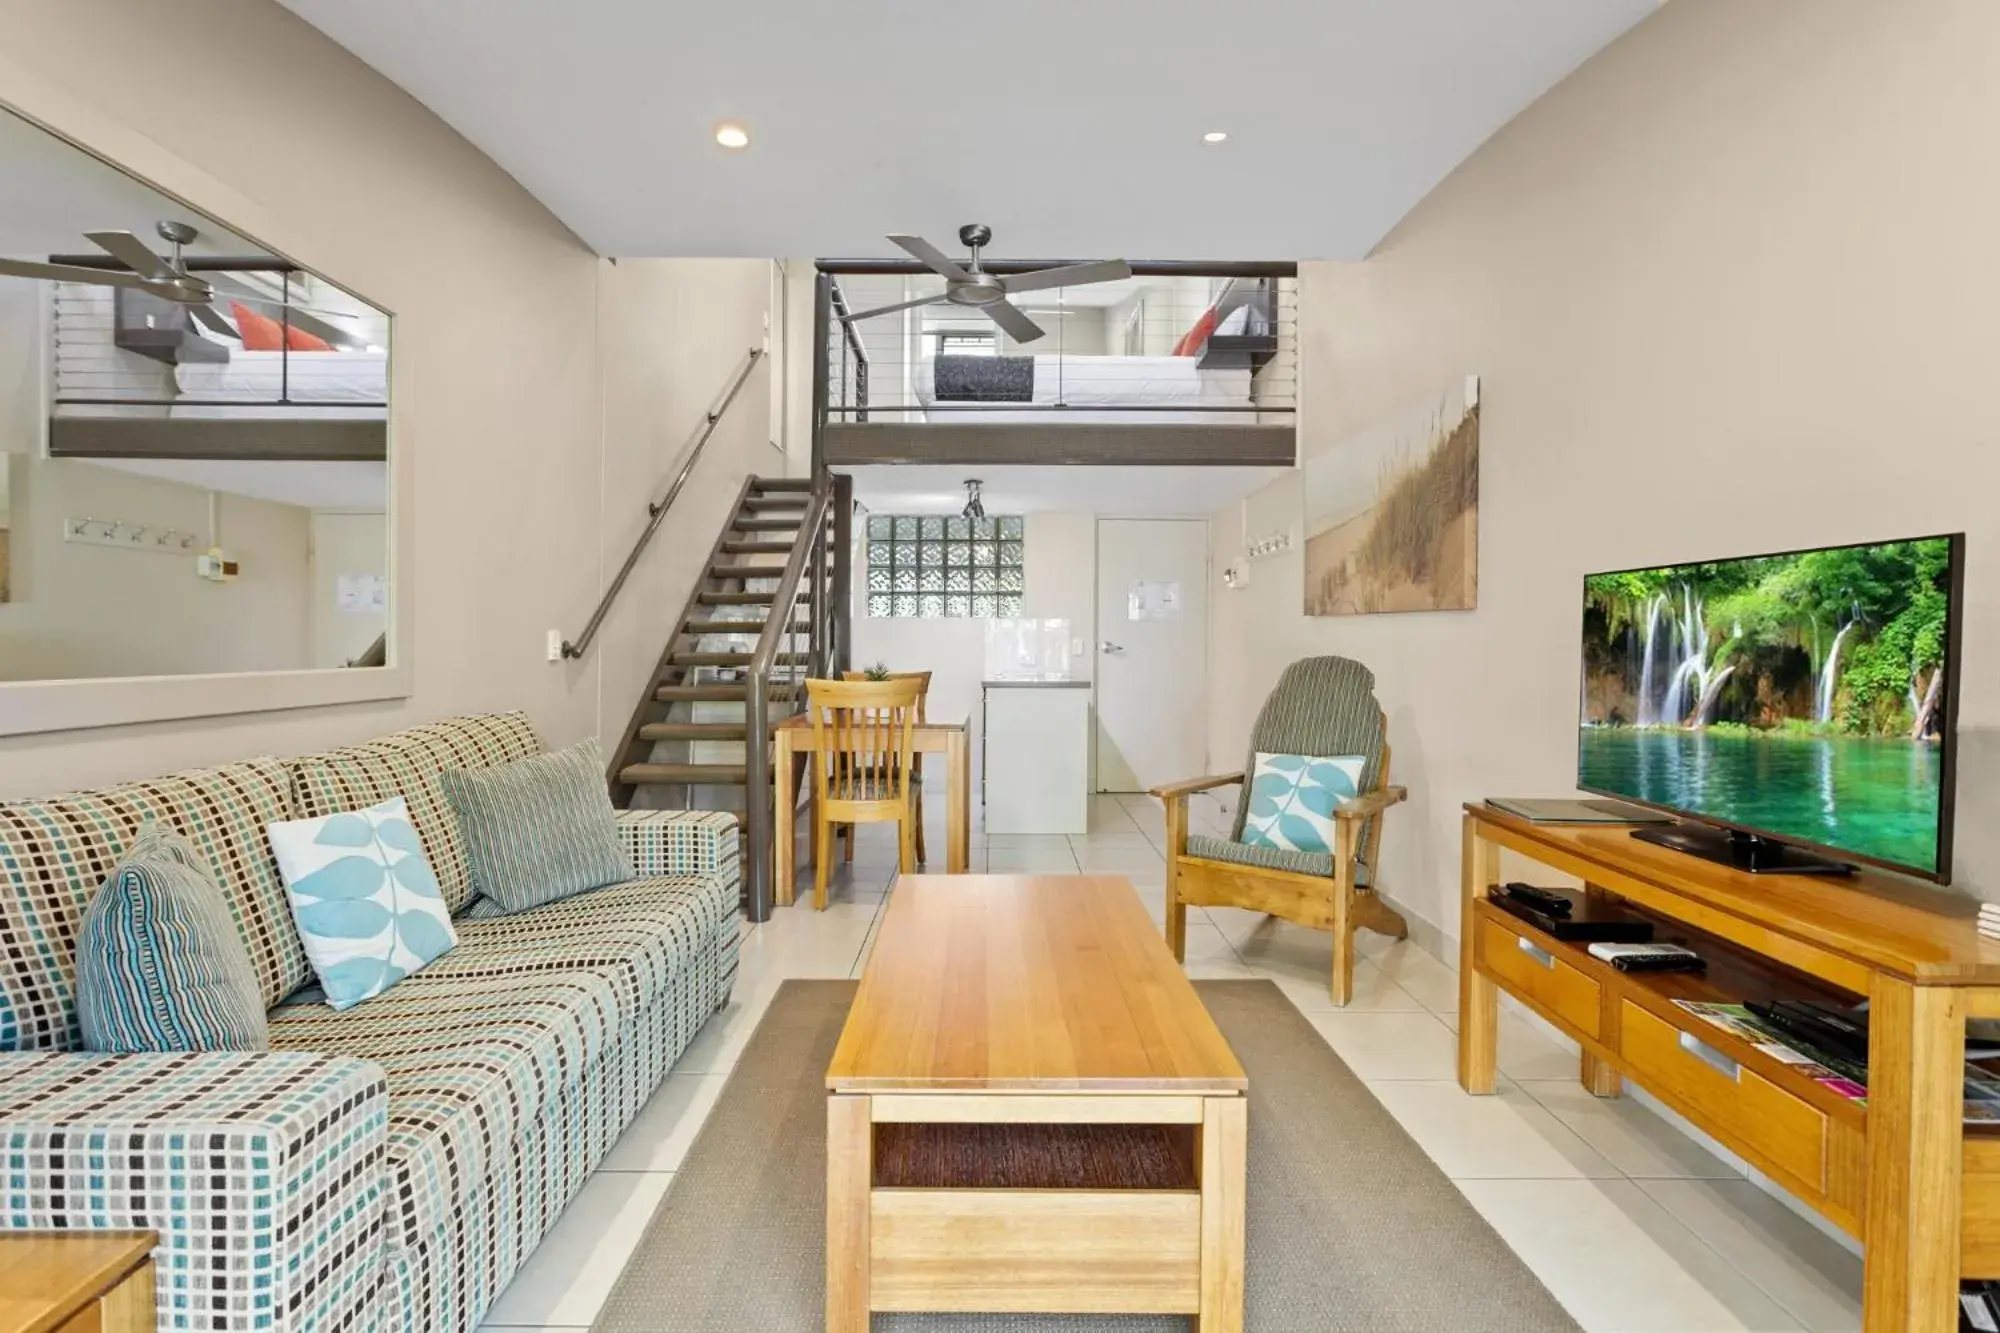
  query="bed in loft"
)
[
  {"x": 134, "y": 378},
  {"x": 1180, "y": 364},
  {"x": 1156, "y": 390}
]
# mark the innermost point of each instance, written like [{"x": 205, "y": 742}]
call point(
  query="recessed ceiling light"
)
[
  {"x": 731, "y": 135},
  {"x": 1215, "y": 136}
]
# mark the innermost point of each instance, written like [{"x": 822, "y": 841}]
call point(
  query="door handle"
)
[{"x": 1111, "y": 647}]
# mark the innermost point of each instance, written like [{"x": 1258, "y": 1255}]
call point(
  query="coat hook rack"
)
[{"x": 123, "y": 536}]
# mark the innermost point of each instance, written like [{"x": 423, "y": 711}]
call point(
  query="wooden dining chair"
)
[
  {"x": 923, "y": 679},
  {"x": 862, "y": 737}
]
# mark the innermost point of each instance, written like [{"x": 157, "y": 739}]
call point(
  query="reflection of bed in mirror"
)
[
  {"x": 138, "y": 377},
  {"x": 347, "y": 385},
  {"x": 1158, "y": 390}
]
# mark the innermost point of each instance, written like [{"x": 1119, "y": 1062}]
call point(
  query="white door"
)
[{"x": 1152, "y": 651}]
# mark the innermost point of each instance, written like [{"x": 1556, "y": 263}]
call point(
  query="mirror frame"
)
[{"x": 43, "y": 706}]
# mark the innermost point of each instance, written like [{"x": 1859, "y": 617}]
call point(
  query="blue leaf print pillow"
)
[
  {"x": 367, "y": 906},
  {"x": 1292, "y": 799}
]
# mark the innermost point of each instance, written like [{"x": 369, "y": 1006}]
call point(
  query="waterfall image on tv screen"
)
[{"x": 1802, "y": 695}]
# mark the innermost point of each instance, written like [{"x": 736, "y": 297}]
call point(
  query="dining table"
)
[{"x": 792, "y": 739}]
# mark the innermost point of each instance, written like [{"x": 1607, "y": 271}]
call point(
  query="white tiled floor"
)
[{"x": 1631, "y": 1224}]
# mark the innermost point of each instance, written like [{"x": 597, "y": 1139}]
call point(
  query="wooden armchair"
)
[{"x": 1321, "y": 706}]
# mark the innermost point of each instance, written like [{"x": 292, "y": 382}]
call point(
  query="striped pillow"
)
[
  {"x": 160, "y": 965},
  {"x": 539, "y": 829}
]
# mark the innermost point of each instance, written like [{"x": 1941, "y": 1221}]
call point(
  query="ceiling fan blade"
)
[
  {"x": 132, "y": 252},
  {"x": 934, "y": 257},
  {"x": 26, "y": 268},
  {"x": 1070, "y": 275},
  {"x": 1019, "y": 327},
  {"x": 208, "y": 318},
  {"x": 932, "y": 299}
]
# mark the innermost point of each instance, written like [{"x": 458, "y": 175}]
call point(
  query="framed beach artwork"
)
[{"x": 1392, "y": 513}]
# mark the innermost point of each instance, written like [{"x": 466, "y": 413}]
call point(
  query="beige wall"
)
[
  {"x": 84, "y": 610},
  {"x": 1730, "y": 288},
  {"x": 531, "y": 451}
]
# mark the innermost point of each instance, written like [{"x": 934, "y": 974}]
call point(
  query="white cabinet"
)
[{"x": 1037, "y": 746}]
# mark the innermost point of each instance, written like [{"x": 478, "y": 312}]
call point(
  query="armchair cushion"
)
[
  {"x": 1292, "y": 799},
  {"x": 1320, "y": 705},
  {"x": 1269, "y": 858}
]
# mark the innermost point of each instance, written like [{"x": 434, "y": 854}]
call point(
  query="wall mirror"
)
[{"x": 195, "y": 472}]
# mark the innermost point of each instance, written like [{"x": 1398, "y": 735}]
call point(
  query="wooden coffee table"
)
[{"x": 1030, "y": 1111}]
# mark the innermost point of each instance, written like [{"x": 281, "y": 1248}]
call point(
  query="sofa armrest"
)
[
  {"x": 1190, "y": 786},
  {"x": 263, "y": 1172},
  {"x": 681, "y": 842},
  {"x": 1370, "y": 804}
]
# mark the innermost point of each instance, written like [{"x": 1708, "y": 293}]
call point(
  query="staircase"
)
[{"x": 767, "y": 613}]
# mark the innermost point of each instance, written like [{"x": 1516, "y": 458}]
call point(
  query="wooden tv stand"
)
[{"x": 1899, "y": 1172}]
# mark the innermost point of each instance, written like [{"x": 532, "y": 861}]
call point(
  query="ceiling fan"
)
[
  {"x": 170, "y": 280},
  {"x": 969, "y": 285}
]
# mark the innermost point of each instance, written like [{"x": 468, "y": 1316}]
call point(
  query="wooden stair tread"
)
[
  {"x": 756, "y": 548},
  {"x": 766, "y": 485},
  {"x": 718, "y": 693},
  {"x": 696, "y": 731},
  {"x": 703, "y": 627},
  {"x": 713, "y": 598},
  {"x": 733, "y": 659},
  {"x": 722, "y": 775},
  {"x": 746, "y": 571},
  {"x": 768, "y": 524}
]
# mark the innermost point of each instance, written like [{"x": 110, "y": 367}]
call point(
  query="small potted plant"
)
[{"x": 880, "y": 671}]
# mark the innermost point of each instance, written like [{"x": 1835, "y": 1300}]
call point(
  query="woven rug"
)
[{"x": 1352, "y": 1229}]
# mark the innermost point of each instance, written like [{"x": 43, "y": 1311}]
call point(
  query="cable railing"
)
[
  {"x": 1175, "y": 344},
  {"x": 656, "y": 511}
]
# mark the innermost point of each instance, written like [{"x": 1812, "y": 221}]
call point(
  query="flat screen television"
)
[{"x": 1787, "y": 704}]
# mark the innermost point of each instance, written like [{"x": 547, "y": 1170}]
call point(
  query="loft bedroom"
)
[{"x": 1143, "y": 363}]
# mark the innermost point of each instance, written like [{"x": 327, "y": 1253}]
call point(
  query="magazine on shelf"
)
[{"x": 1842, "y": 1077}]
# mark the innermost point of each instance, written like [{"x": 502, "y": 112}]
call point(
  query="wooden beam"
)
[
  {"x": 1065, "y": 442},
  {"x": 270, "y": 439}
]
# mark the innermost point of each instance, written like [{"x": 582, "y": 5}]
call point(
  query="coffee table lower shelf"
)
[{"x": 1035, "y": 1204}]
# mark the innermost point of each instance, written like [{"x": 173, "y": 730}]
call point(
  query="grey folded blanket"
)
[{"x": 984, "y": 379}]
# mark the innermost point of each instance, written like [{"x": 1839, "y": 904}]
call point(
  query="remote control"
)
[{"x": 1552, "y": 903}]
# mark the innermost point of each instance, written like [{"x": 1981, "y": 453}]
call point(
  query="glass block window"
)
[{"x": 935, "y": 567}]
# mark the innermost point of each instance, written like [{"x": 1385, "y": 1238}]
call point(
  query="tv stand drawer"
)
[
  {"x": 1768, "y": 1125},
  {"x": 1564, "y": 994}
]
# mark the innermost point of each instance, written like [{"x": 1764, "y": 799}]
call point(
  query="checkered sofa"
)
[{"x": 386, "y": 1168}]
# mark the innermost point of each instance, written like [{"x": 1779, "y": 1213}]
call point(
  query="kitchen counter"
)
[{"x": 1037, "y": 756}]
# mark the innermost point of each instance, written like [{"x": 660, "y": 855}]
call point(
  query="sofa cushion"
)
[
  {"x": 55, "y": 854},
  {"x": 159, "y": 965},
  {"x": 539, "y": 829},
  {"x": 481, "y": 1042},
  {"x": 365, "y": 900},
  {"x": 407, "y": 764}
]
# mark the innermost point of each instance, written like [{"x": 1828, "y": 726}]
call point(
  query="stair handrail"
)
[
  {"x": 656, "y": 511},
  {"x": 808, "y": 550}
]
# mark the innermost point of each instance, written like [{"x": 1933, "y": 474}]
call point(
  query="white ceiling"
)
[
  {"x": 1113, "y": 492},
  {"x": 1073, "y": 129},
  {"x": 358, "y": 487}
]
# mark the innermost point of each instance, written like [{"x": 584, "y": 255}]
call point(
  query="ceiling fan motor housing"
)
[{"x": 982, "y": 290}]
